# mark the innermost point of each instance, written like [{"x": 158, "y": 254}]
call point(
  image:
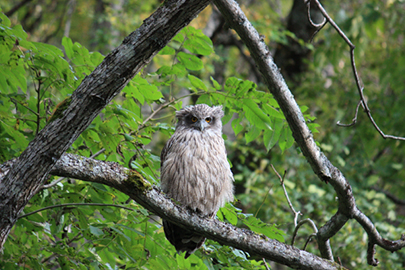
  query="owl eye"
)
[
  {"x": 194, "y": 119},
  {"x": 208, "y": 119}
]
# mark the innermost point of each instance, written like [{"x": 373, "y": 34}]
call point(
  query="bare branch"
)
[
  {"x": 354, "y": 121},
  {"x": 74, "y": 204},
  {"x": 321, "y": 166},
  {"x": 360, "y": 87},
  {"x": 265, "y": 264},
  {"x": 302, "y": 222},
  {"x": 295, "y": 213},
  {"x": 375, "y": 238},
  {"x": 309, "y": 239}
]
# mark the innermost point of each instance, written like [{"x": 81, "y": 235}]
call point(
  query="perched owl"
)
[{"x": 195, "y": 170}]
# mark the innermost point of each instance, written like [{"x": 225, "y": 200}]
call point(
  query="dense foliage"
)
[{"x": 39, "y": 70}]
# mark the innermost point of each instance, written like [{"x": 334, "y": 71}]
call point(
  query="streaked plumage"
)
[{"x": 195, "y": 170}]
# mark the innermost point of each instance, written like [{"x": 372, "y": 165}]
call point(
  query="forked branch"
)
[{"x": 359, "y": 84}]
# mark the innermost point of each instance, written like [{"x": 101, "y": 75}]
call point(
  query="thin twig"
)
[
  {"x": 296, "y": 214},
  {"x": 318, "y": 26},
  {"x": 360, "y": 88},
  {"x": 302, "y": 222},
  {"x": 265, "y": 197},
  {"x": 354, "y": 121},
  {"x": 74, "y": 204},
  {"x": 164, "y": 105},
  {"x": 28, "y": 108},
  {"x": 308, "y": 240},
  {"x": 265, "y": 264}
]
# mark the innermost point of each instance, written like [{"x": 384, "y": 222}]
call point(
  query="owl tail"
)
[{"x": 182, "y": 239}]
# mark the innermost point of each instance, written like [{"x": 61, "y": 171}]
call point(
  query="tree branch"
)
[
  {"x": 320, "y": 164},
  {"x": 28, "y": 174},
  {"x": 74, "y": 204},
  {"x": 134, "y": 185}
]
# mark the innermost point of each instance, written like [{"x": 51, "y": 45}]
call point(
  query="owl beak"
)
[{"x": 200, "y": 125}]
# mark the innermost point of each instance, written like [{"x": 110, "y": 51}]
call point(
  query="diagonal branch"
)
[
  {"x": 134, "y": 185},
  {"x": 28, "y": 174},
  {"x": 320, "y": 164}
]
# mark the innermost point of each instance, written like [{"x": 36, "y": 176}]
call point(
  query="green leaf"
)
[
  {"x": 199, "y": 45},
  {"x": 259, "y": 226},
  {"x": 255, "y": 115},
  {"x": 15, "y": 135},
  {"x": 167, "y": 51},
  {"x": 252, "y": 134},
  {"x": 204, "y": 99},
  {"x": 230, "y": 215},
  {"x": 216, "y": 85},
  {"x": 149, "y": 91},
  {"x": 197, "y": 83},
  {"x": 190, "y": 61},
  {"x": 232, "y": 84},
  {"x": 121, "y": 233},
  {"x": 96, "y": 58},
  {"x": 286, "y": 139},
  {"x": 4, "y": 20},
  {"x": 270, "y": 137},
  {"x": 68, "y": 45},
  {"x": 82, "y": 219},
  {"x": 272, "y": 112},
  {"x": 236, "y": 126},
  {"x": 96, "y": 231}
]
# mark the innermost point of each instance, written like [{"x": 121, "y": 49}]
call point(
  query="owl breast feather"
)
[{"x": 196, "y": 172}]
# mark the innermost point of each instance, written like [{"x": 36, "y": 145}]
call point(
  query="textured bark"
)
[
  {"x": 93, "y": 94},
  {"x": 150, "y": 197}
]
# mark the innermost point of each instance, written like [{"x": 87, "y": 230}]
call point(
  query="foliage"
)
[
  {"x": 104, "y": 237},
  {"x": 35, "y": 77}
]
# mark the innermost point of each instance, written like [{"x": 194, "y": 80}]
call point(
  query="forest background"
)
[{"x": 61, "y": 42}]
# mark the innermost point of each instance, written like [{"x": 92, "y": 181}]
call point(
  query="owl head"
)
[{"x": 200, "y": 117}]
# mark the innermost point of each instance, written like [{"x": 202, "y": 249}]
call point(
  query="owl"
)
[{"x": 195, "y": 171}]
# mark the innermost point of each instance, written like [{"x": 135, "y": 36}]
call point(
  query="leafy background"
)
[{"x": 40, "y": 67}]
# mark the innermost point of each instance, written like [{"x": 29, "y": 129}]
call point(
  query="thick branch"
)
[
  {"x": 133, "y": 184},
  {"x": 93, "y": 94}
]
